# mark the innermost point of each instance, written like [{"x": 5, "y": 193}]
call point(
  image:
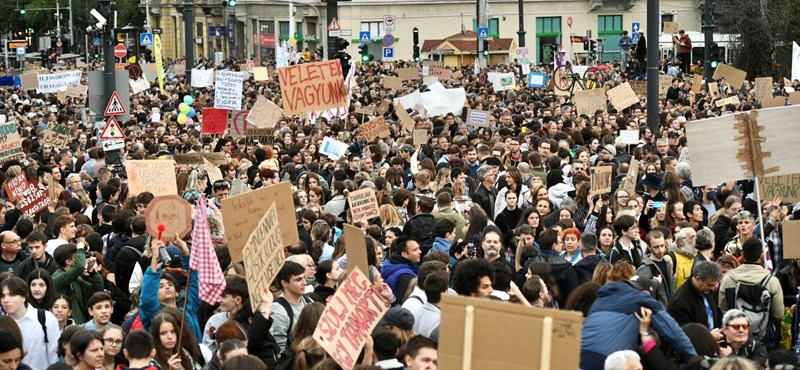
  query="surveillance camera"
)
[
  {"x": 101, "y": 21},
  {"x": 91, "y": 28}
]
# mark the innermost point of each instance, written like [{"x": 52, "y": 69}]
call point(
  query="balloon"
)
[
  {"x": 188, "y": 99},
  {"x": 184, "y": 108},
  {"x": 191, "y": 112},
  {"x": 182, "y": 119},
  {"x": 189, "y": 122}
]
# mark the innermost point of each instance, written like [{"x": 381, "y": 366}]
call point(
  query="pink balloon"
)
[{"x": 189, "y": 121}]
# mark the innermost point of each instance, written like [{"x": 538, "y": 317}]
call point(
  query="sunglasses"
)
[{"x": 739, "y": 326}]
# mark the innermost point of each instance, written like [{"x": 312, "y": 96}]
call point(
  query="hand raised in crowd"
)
[{"x": 645, "y": 319}]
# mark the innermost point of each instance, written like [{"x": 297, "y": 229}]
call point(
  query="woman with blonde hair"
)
[
  {"x": 390, "y": 217},
  {"x": 442, "y": 179}
]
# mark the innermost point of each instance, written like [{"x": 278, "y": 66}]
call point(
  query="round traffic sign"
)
[
  {"x": 120, "y": 51},
  {"x": 388, "y": 40}
]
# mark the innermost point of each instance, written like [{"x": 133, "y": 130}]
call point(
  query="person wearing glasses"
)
[
  {"x": 113, "y": 337},
  {"x": 11, "y": 255},
  {"x": 736, "y": 329}
]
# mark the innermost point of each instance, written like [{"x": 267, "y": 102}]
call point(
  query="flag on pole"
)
[{"x": 203, "y": 259}]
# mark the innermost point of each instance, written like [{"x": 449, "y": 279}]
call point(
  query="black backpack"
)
[{"x": 286, "y": 359}]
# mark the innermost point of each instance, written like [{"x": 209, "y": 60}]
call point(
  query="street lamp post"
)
[
  {"x": 521, "y": 31},
  {"x": 188, "y": 36}
]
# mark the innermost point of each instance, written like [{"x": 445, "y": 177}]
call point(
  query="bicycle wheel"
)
[
  {"x": 589, "y": 80},
  {"x": 563, "y": 79}
]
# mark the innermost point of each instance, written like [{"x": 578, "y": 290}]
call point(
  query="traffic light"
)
[
  {"x": 340, "y": 53},
  {"x": 714, "y": 60},
  {"x": 365, "y": 55},
  {"x": 22, "y": 10},
  {"x": 592, "y": 46},
  {"x": 96, "y": 52},
  {"x": 231, "y": 3},
  {"x": 486, "y": 48},
  {"x": 585, "y": 44},
  {"x": 416, "y": 45}
]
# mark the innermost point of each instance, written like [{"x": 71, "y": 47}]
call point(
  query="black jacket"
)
[
  {"x": 687, "y": 306},
  {"x": 565, "y": 275},
  {"x": 585, "y": 267},
  {"x": 721, "y": 229},
  {"x": 618, "y": 253},
  {"x": 28, "y": 265},
  {"x": 422, "y": 228},
  {"x": 126, "y": 260},
  {"x": 485, "y": 198}
]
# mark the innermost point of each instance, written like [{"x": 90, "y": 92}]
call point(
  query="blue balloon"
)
[
  {"x": 191, "y": 112},
  {"x": 188, "y": 99}
]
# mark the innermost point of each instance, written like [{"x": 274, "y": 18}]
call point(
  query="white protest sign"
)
[
  {"x": 55, "y": 82},
  {"x": 444, "y": 101},
  {"x": 333, "y": 148},
  {"x": 202, "y": 77},
  {"x": 505, "y": 81},
  {"x": 478, "y": 118},
  {"x": 265, "y": 113},
  {"x": 228, "y": 90}
]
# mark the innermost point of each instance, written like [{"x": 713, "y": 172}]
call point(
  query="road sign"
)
[
  {"x": 636, "y": 27},
  {"x": 388, "y": 22},
  {"x": 388, "y": 53},
  {"x": 363, "y": 37},
  {"x": 250, "y": 65},
  {"x": 146, "y": 39},
  {"x": 157, "y": 31},
  {"x": 59, "y": 44},
  {"x": 483, "y": 33},
  {"x": 569, "y": 22},
  {"x": 334, "y": 33},
  {"x": 112, "y": 130},
  {"x": 115, "y": 106},
  {"x": 347, "y": 32},
  {"x": 388, "y": 40},
  {"x": 21, "y": 50},
  {"x": 334, "y": 25},
  {"x": 96, "y": 41},
  {"x": 120, "y": 51},
  {"x": 114, "y": 144}
]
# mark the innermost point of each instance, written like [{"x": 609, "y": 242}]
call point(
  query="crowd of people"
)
[{"x": 667, "y": 274}]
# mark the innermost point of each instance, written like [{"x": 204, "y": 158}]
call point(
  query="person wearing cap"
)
[{"x": 608, "y": 155}]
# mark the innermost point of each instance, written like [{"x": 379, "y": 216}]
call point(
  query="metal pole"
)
[
  {"x": 147, "y": 16},
  {"x": 332, "y": 10},
  {"x": 71, "y": 32},
  {"x": 109, "y": 81},
  {"x": 483, "y": 21},
  {"x": 653, "y": 23},
  {"x": 5, "y": 48},
  {"x": 521, "y": 31},
  {"x": 58, "y": 21},
  {"x": 188, "y": 36},
  {"x": 708, "y": 30}
]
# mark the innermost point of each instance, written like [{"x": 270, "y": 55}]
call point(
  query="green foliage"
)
[{"x": 131, "y": 13}]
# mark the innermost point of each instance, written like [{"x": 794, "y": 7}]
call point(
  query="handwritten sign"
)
[
  {"x": 10, "y": 143},
  {"x": 264, "y": 136},
  {"x": 264, "y": 113},
  {"x": 350, "y": 316},
  {"x": 58, "y": 135},
  {"x": 763, "y": 88},
  {"x": 263, "y": 255},
  {"x": 791, "y": 239},
  {"x": 228, "y": 90},
  {"x": 787, "y": 187},
  {"x": 217, "y": 158},
  {"x": 405, "y": 118},
  {"x": 622, "y": 97},
  {"x": 214, "y": 173},
  {"x": 363, "y": 204},
  {"x": 76, "y": 91},
  {"x": 629, "y": 136},
  {"x": 670, "y": 27},
  {"x": 237, "y": 125},
  {"x": 172, "y": 211},
  {"x": 729, "y": 100},
  {"x": 215, "y": 121},
  {"x": 376, "y": 128},
  {"x": 240, "y": 215},
  {"x": 600, "y": 180},
  {"x": 590, "y": 101},
  {"x": 504, "y": 81},
  {"x": 51, "y": 83},
  {"x": 16, "y": 187},
  {"x": 312, "y": 87},
  {"x": 154, "y": 176},
  {"x": 478, "y": 118},
  {"x": 33, "y": 199}
]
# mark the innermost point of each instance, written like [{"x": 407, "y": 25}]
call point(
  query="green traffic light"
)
[
  {"x": 365, "y": 58},
  {"x": 714, "y": 64},
  {"x": 232, "y": 3},
  {"x": 486, "y": 53}
]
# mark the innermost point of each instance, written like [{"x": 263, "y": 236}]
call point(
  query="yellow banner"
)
[{"x": 159, "y": 61}]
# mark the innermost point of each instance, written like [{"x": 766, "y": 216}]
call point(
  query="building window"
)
[
  {"x": 548, "y": 38},
  {"x": 494, "y": 27},
  {"x": 609, "y": 30},
  {"x": 666, "y": 18},
  {"x": 375, "y": 29}
]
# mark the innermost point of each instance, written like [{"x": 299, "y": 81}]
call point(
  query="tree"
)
[{"x": 130, "y": 13}]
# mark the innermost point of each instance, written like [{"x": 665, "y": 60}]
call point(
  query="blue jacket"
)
[
  {"x": 441, "y": 245},
  {"x": 611, "y": 325},
  {"x": 395, "y": 267},
  {"x": 149, "y": 306}
]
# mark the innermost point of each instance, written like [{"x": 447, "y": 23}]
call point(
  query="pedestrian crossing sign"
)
[
  {"x": 112, "y": 130},
  {"x": 146, "y": 39},
  {"x": 483, "y": 33},
  {"x": 115, "y": 106}
]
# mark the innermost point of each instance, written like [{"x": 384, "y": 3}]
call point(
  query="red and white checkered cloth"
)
[{"x": 203, "y": 258}]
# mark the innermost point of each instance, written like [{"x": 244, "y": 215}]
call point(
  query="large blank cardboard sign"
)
[
  {"x": 734, "y": 76},
  {"x": 743, "y": 145},
  {"x": 791, "y": 239},
  {"x": 355, "y": 309},
  {"x": 242, "y": 213},
  {"x": 622, "y": 96},
  {"x": 173, "y": 212},
  {"x": 312, "y": 87},
  {"x": 533, "y": 338},
  {"x": 356, "y": 246},
  {"x": 263, "y": 256},
  {"x": 590, "y": 101},
  {"x": 155, "y": 176}
]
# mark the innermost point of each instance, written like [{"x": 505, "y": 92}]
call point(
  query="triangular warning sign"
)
[
  {"x": 112, "y": 130},
  {"x": 115, "y": 106},
  {"x": 334, "y": 25}
]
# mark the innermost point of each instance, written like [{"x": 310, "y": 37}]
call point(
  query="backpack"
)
[
  {"x": 40, "y": 313},
  {"x": 287, "y": 357},
  {"x": 754, "y": 301}
]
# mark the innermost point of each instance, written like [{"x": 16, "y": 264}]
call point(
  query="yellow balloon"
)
[{"x": 182, "y": 119}]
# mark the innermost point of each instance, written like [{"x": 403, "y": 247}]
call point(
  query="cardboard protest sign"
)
[
  {"x": 263, "y": 255},
  {"x": 664, "y": 82},
  {"x": 349, "y": 317},
  {"x": 264, "y": 113},
  {"x": 240, "y": 215},
  {"x": 479, "y": 118},
  {"x": 154, "y": 176},
  {"x": 30, "y": 81},
  {"x": 57, "y": 135},
  {"x": 631, "y": 177},
  {"x": 172, "y": 211},
  {"x": 356, "y": 248},
  {"x": 16, "y": 186},
  {"x": 697, "y": 83},
  {"x": 264, "y": 136},
  {"x": 763, "y": 88},
  {"x": 393, "y": 83},
  {"x": 75, "y": 91},
  {"x": 713, "y": 89},
  {"x": 533, "y": 338},
  {"x": 10, "y": 143},
  {"x": 622, "y": 97},
  {"x": 376, "y": 128},
  {"x": 228, "y": 90},
  {"x": 405, "y": 119},
  {"x": 791, "y": 239},
  {"x": 260, "y": 74},
  {"x": 312, "y": 87},
  {"x": 33, "y": 199},
  {"x": 215, "y": 121},
  {"x": 729, "y": 100},
  {"x": 787, "y": 187},
  {"x": 794, "y": 98},
  {"x": 420, "y": 137},
  {"x": 217, "y": 158},
  {"x": 773, "y": 101},
  {"x": 734, "y": 76},
  {"x": 214, "y": 173},
  {"x": 408, "y": 74},
  {"x": 639, "y": 87},
  {"x": 670, "y": 27},
  {"x": 332, "y": 148},
  {"x": 629, "y": 136},
  {"x": 237, "y": 125},
  {"x": 600, "y": 179},
  {"x": 363, "y": 204},
  {"x": 590, "y": 101},
  {"x": 744, "y": 145}
]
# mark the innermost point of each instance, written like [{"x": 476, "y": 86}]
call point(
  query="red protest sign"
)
[
  {"x": 215, "y": 121},
  {"x": 16, "y": 187},
  {"x": 33, "y": 199}
]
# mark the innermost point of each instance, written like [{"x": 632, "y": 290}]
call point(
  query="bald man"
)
[{"x": 10, "y": 252}]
